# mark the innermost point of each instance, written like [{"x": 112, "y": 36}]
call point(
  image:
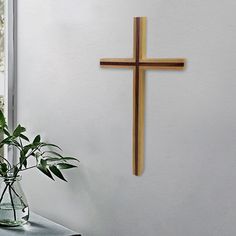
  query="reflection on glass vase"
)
[{"x": 14, "y": 210}]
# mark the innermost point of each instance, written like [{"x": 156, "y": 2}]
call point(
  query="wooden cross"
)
[{"x": 139, "y": 63}]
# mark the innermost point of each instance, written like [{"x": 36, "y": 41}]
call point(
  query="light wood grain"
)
[{"x": 138, "y": 138}]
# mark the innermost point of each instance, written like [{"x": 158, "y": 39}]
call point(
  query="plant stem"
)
[
  {"x": 17, "y": 195},
  {"x": 3, "y": 192},
  {"x": 12, "y": 203}
]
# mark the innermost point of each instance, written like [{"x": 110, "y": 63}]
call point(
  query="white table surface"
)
[{"x": 37, "y": 226}]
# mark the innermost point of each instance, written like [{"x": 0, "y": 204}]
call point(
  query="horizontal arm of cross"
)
[
  {"x": 151, "y": 63},
  {"x": 117, "y": 62}
]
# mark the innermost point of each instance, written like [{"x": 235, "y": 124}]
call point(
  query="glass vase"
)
[{"x": 14, "y": 210}]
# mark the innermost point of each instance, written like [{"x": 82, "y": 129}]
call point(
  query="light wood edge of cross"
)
[{"x": 142, "y": 48}]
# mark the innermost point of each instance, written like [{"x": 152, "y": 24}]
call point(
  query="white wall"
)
[{"x": 189, "y": 183}]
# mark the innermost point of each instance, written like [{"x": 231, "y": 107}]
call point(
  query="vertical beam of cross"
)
[
  {"x": 139, "y": 63},
  {"x": 138, "y": 96}
]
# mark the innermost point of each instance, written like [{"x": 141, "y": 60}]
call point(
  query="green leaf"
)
[
  {"x": 50, "y": 145},
  {"x": 30, "y": 146},
  {"x": 70, "y": 159},
  {"x": 2, "y": 120},
  {"x": 43, "y": 163},
  {"x": 24, "y": 137},
  {"x": 19, "y": 129},
  {"x": 57, "y": 172},
  {"x": 26, "y": 149},
  {"x": 55, "y": 153},
  {"x": 15, "y": 143},
  {"x": 56, "y": 159},
  {"x": 23, "y": 159},
  {"x": 3, "y": 169},
  {"x": 5, "y": 141},
  {"x": 37, "y": 139},
  {"x": 45, "y": 171},
  {"x": 53, "y": 159},
  {"x": 6, "y": 132},
  {"x": 65, "y": 166}
]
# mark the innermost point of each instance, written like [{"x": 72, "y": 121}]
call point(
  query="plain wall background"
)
[{"x": 189, "y": 183}]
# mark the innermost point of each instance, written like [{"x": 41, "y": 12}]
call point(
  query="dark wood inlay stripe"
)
[
  {"x": 162, "y": 64},
  {"x": 113, "y": 63},
  {"x": 136, "y": 82},
  {"x": 138, "y": 63}
]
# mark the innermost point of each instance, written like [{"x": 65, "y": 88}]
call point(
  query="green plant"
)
[{"x": 47, "y": 157}]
